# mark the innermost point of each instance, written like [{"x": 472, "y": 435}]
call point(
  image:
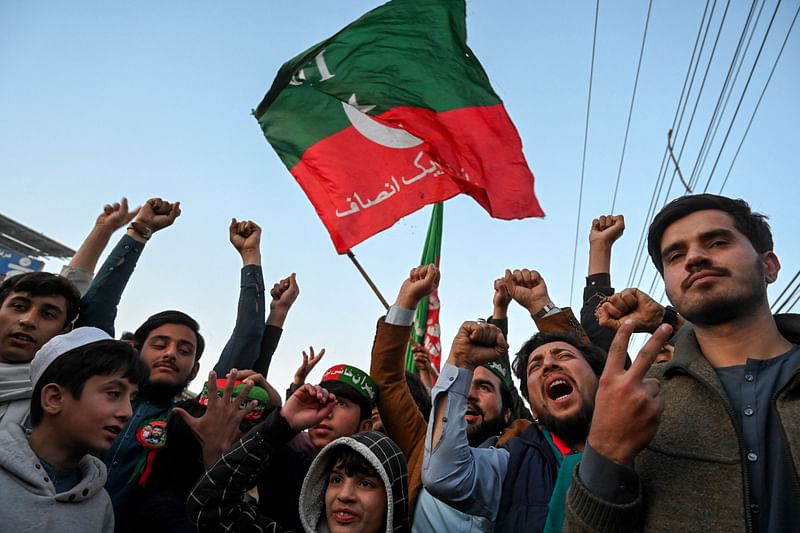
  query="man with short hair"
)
[
  {"x": 521, "y": 486},
  {"x": 169, "y": 343},
  {"x": 407, "y": 426},
  {"x": 34, "y": 307},
  {"x": 710, "y": 440}
]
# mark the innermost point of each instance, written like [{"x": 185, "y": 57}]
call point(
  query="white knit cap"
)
[{"x": 61, "y": 344}]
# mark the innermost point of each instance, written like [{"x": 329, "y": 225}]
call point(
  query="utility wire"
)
[
  {"x": 585, "y": 143},
  {"x": 719, "y": 108},
  {"x": 781, "y": 307},
  {"x": 676, "y": 128},
  {"x": 630, "y": 110},
  {"x": 788, "y": 285},
  {"x": 676, "y": 163},
  {"x": 742, "y": 56},
  {"x": 700, "y": 38},
  {"x": 789, "y": 309},
  {"x": 764, "y": 90},
  {"x": 655, "y": 278},
  {"x": 703, "y": 86},
  {"x": 741, "y": 99}
]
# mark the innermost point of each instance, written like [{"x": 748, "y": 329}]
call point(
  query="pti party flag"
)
[
  {"x": 426, "y": 323},
  {"x": 392, "y": 113}
]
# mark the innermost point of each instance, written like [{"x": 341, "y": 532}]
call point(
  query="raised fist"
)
[
  {"x": 606, "y": 229},
  {"x": 421, "y": 282}
]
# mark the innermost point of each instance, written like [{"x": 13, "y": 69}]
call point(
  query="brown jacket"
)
[{"x": 399, "y": 413}]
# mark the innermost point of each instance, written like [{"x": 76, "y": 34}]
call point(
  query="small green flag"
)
[{"x": 426, "y": 324}]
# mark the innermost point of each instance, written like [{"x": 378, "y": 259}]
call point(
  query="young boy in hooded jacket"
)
[{"x": 355, "y": 484}]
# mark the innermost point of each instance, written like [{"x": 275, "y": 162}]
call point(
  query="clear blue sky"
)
[{"x": 100, "y": 100}]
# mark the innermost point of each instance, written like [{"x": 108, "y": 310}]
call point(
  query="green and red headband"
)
[{"x": 356, "y": 378}]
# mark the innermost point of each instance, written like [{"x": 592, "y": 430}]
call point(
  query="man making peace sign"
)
[{"x": 711, "y": 440}]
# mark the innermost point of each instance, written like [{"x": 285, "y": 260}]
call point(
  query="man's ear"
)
[
  {"x": 772, "y": 266},
  {"x": 52, "y": 398},
  {"x": 507, "y": 415},
  {"x": 365, "y": 425}
]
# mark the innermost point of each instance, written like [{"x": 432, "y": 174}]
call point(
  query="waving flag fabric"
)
[{"x": 392, "y": 113}]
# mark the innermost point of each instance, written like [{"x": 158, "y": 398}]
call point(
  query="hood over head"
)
[{"x": 385, "y": 457}]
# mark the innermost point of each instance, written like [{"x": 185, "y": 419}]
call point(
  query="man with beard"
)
[
  {"x": 402, "y": 420},
  {"x": 521, "y": 486},
  {"x": 169, "y": 343},
  {"x": 711, "y": 440}
]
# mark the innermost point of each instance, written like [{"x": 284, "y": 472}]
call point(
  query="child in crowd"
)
[
  {"x": 355, "y": 396},
  {"x": 83, "y": 382},
  {"x": 357, "y": 483},
  {"x": 34, "y": 307}
]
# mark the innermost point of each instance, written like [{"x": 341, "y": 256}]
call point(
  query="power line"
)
[
  {"x": 703, "y": 86},
  {"x": 630, "y": 110},
  {"x": 742, "y": 58},
  {"x": 676, "y": 127},
  {"x": 781, "y": 307},
  {"x": 699, "y": 42},
  {"x": 676, "y": 163},
  {"x": 719, "y": 108},
  {"x": 758, "y": 103},
  {"x": 585, "y": 143},
  {"x": 741, "y": 99},
  {"x": 789, "y": 309},
  {"x": 777, "y": 306}
]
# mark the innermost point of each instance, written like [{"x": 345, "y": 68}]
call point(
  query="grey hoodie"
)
[
  {"x": 30, "y": 502},
  {"x": 384, "y": 456}
]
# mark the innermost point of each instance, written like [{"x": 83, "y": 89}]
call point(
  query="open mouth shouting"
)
[{"x": 559, "y": 390}]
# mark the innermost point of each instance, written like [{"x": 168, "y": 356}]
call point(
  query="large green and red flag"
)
[
  {"x": 426, "y": 323},
  {"x": 392, "y": 113}
]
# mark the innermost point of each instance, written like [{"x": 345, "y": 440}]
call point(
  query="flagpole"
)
[{"x": 368, "y": 279}]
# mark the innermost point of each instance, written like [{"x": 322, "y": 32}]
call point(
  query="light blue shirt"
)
[
  {"x": 468, "y": 479},
  {"x": 432, "y": 515}
]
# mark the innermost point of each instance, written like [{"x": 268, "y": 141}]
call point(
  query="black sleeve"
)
[
  {"x": 598, "y": 287},
  {"x": 269, "y": 343}
]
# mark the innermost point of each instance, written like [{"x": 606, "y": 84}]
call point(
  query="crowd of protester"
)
[{"x": 698, "y": 431}]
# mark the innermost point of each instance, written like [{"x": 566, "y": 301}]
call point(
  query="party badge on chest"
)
[{"x": 152, "y": 433}]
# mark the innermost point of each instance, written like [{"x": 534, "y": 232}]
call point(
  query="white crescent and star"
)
[{"x": 376, "y": 131}]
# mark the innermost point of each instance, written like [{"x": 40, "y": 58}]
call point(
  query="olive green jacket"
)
[{"x": 692, "y": 474}]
